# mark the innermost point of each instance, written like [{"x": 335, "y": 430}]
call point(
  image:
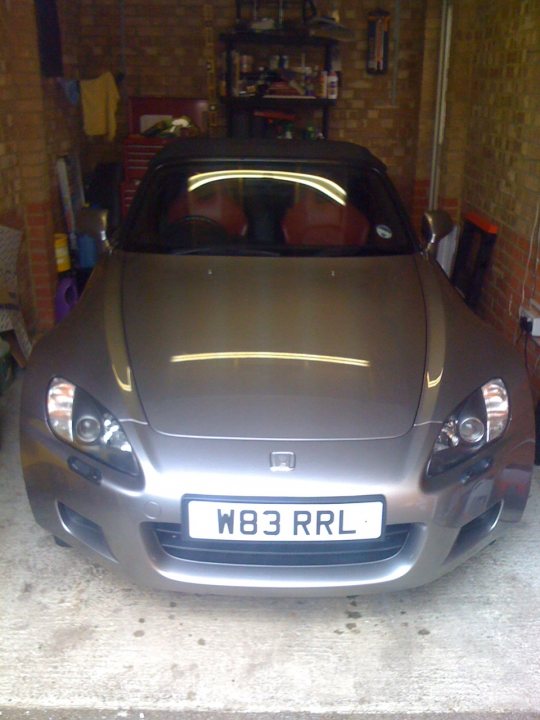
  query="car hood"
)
[{"x": 276, "y": 348}]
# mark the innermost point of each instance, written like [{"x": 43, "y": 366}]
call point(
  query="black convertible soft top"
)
[{"x": 261, "y": 149}]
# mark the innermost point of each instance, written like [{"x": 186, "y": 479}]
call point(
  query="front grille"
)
[{"x": 169, "y": 537}]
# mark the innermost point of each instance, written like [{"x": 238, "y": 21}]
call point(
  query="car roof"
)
[{"x": 265, "y": 149}]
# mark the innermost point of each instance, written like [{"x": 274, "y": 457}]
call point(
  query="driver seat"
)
[{"x": 215, "y": 205}]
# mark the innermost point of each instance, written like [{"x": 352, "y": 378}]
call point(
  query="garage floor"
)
[{"x": 78, "y": 641}]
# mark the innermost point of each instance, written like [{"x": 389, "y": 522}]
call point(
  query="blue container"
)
[{"x": 88, "y": 252}]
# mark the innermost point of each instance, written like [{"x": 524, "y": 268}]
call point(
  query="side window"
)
[{"x": 386, "y": 231}]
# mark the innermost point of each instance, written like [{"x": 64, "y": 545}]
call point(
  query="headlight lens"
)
[
  {"x": 481, "y": 418},
  {"x": 79, "y": 420}
]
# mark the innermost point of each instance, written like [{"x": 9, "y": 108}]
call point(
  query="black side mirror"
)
[{"x": 436, "y": 224}]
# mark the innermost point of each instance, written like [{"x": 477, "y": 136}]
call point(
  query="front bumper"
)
[{"x": 134, "y": 524}]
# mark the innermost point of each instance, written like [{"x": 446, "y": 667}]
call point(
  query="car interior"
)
[{"x": 278, "y": 213}]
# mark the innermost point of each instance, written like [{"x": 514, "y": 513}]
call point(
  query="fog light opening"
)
[
  {"x": 494, "y": 515},
  {"x": 84, "y": 530},
  {"x": 476, "y": 531}
]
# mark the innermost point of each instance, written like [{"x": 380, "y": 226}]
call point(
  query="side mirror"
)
[
  {"x": 436, "y": 224},
  {"x": 111, "y": 241},
  {"x": 93, "y": 222}
]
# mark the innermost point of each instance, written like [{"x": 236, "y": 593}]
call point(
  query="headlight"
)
[
  {"x": 481, "y": 418},
  {"x": 79, "y": 420}
]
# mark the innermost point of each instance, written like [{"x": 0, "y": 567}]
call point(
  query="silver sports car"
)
[{"x": 269, "y": 386}]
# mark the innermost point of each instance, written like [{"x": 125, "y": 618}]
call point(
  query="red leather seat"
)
[
  {"x": 317, "y": 220},
  {"x": 213, "y": 204}
]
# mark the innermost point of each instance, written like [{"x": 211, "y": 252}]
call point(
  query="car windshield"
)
[{"x": 267, "y": 209}]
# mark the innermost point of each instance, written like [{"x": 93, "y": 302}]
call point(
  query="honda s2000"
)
[{"x": 269, "y": 386}]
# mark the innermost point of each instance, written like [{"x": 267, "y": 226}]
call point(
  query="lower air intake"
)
[{"x": 169, "y": 537}]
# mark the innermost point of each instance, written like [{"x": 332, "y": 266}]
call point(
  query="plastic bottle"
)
[
  {"x": 61, "y": 250},
  {"x": 87, "y": 248},
  {"x": 333, "y": 84}
]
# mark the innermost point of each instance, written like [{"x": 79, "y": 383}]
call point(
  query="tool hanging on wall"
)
[
  {"x": 378, "y": 42},
  {"x": 211, "y": 78}
]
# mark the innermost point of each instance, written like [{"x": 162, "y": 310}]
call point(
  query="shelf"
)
[
  {"x": 275, "y": 37},
  {"x": 271, "y": 101},
  {"x": 241, "y": 110}
]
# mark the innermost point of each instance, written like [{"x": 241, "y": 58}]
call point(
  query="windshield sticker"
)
[{"x": 384, "y": 231}]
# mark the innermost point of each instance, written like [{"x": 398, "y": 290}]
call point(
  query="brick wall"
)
[
  {"x": 35, "y": 128},
  {"x": 492, "y": 160},
  {"x": 10, "y": 172},
  {"x": 381, "y": 111},
  {"x": 163, "y": 55},
  {"x": 26, "y": 204},
  {"x": 157, "y": 45},
  {"x": 10, "y": 178}
]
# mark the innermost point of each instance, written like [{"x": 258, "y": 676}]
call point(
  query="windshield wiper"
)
[
  {"x": 256, "y": 252},
  {"x": 361, "y": 251},
  {"x": 190, "y": 251},
  {"x": 224, "y": 251}
]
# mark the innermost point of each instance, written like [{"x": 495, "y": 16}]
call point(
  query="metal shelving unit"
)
[{"x": 251, "y": 103}]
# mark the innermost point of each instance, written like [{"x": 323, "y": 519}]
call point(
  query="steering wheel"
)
[{"x": 194, "y": 229}]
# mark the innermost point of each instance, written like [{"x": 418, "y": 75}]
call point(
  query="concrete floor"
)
[{"x": 79, "y": 642}]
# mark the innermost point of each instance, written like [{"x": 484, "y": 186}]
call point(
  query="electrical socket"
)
[{"x": 532, "y": 320}]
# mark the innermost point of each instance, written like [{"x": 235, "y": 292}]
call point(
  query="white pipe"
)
[
  {"x": 397, "y": 42},
  {"x": 440, "y": 109}
]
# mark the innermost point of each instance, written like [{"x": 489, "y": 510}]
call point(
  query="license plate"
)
[{"x": 305, "y": 521}]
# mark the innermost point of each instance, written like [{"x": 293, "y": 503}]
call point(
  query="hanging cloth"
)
[{"x": 99, "y": 102}]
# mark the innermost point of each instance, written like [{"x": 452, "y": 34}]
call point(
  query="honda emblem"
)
[{"x": 282, "y": 461}]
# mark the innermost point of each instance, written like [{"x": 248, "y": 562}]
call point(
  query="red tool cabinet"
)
[{"x": 138, "y": 150}]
